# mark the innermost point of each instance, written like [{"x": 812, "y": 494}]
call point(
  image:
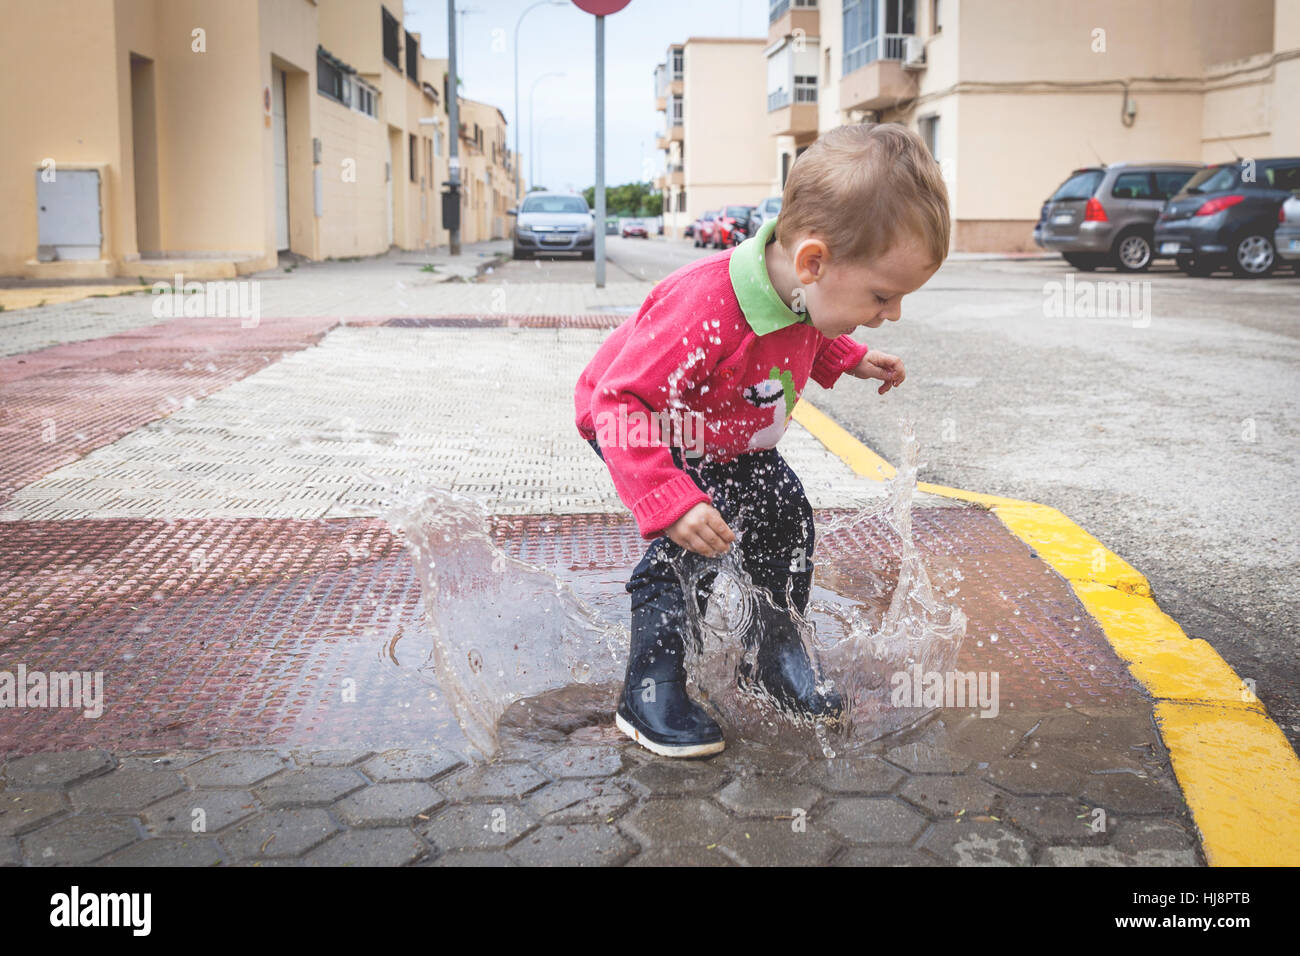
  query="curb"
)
[{"x": 1236, "y": 769}]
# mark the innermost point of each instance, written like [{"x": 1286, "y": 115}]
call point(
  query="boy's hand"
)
[
  {"x": 702, "y": 530},
  {"x": 888, "y": 368}
]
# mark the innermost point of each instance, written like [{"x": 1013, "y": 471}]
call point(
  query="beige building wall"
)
[{"x": 180, "y": 128}]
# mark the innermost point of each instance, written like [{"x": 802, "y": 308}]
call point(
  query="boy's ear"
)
[{"x": 810, "y": 258}]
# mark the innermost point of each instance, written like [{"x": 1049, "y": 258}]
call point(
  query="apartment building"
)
[
  {"x": 486, "y": 172},
  {"x": 1013, "y": 94},
  {"x": 150, "y": 137},
  {"x": 714, "y": 137}
]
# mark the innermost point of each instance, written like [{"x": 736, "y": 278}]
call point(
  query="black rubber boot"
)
[
  {"x": 777, "y": 661},
  {"x": 654, "y": 708}
]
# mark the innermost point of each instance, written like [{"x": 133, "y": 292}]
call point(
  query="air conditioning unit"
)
[{"x": 913, "y": 53}]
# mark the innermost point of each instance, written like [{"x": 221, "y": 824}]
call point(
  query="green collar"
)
[{"x": 763, "y": 308}]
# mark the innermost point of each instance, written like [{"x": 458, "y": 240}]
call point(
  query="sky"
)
[{"x": 562, "y": 39}]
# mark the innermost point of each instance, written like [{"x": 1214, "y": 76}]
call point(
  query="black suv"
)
[{"x": 1226, "y": 216}]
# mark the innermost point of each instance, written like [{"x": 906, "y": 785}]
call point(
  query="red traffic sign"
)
[{"x": 601, "y": 8}]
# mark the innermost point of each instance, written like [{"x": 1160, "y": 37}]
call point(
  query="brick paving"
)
[{"x": 268, "y": 699}]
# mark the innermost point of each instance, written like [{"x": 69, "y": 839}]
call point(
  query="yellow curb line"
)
[
  {"x": 1238, "y": 773},
  {"x": 27, "y": 298}
]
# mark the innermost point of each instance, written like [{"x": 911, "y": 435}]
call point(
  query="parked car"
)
[
  {"x": 1226, "y": 215},
  {"x": 634, "y": 227},
  {"x": 1286, "y": 240},
  {"x": 611, "y": 225},
  {"x": 704, "y": 228},
  {"x": 730, "y": 220},
  {"x": 764, "y": 211},
  {"x": 1106, "y": 215},
  {"x": 689, "y": 230},
  {"x": 553, "y": 222}
]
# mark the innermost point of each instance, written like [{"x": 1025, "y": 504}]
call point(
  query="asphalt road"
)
[{"x": 1171, "y": 434}]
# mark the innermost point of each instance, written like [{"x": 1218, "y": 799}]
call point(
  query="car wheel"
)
[
  {"x": 1081, "y": 261},
  {"x": 1132, "y": 252},
  {"x": 1253, "y": 255},
  {"x": 589, "y": 254},
  {"x": 517, "y": 253}
]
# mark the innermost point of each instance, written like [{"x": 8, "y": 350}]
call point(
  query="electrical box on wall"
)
[{"x": 68, "y": 214}]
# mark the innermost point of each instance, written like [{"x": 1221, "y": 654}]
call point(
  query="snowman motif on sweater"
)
[{"x": 777, "y": 395}]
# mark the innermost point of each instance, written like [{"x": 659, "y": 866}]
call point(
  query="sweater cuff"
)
[
  {"x": 658, "y": 509},
  {"x": 837, "y": 358}
]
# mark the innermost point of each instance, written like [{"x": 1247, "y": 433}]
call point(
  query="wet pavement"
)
[{"x": 268, "y": 692}]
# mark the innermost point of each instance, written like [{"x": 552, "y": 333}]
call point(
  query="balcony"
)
[
  {"x": 785, "y": 17},
  {"x": 676, "y": 176},
  {"x": 787, "y": 117},
  {"x": 874, "y": 77}
]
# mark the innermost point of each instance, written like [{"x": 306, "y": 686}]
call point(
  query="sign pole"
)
[{"x": 600, "y": 153}]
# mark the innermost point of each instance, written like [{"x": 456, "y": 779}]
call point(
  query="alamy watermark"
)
[
  {"x": 242, "y": 300},
  {"x": 1088, "y": 299},
  {"x": 79, "y": 689},
  {"x": 917, "y": 688},
  {"x": 637, "y": 428}
]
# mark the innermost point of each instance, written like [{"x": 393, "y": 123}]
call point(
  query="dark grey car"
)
[{"x": 1106, "y": 215}]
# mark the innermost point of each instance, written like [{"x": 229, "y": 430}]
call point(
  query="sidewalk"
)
[{"x": 198, "y": 525}]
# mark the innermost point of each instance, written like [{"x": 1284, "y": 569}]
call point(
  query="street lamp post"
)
[
  {"x": 532, "y": 138},
  {"x": 540, "y": 3}
]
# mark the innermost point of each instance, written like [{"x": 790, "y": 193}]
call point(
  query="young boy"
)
[{"x": 722, "y": 348}]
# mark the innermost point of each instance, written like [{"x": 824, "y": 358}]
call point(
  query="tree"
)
[{"x": 632, "y": 200}]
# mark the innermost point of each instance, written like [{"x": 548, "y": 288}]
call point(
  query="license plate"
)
[
  {"x": 1061, "y": 218},
  {"x": 1169, "y": 248},
  {"x": 1295, "y": 245}
]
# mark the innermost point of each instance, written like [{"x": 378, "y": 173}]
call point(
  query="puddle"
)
[{"x": 519, "y": 651}]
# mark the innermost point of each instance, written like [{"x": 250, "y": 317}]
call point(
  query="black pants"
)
[{"x": 762, "y": 500}]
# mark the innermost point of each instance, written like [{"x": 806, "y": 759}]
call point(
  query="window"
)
[
  {"x": 413, "y": 165},
  {"x": 331, "y": 79},
  {"x": 412, "y": 58},
  {"x": 1283, "y": 177},
  {"x": 1213, "y": 179},
  {"x": 365, "y": 98},
  {"x": 805, "y": 89},
  {"x": 930, "y": 133},
  {"x": 1132, "y": 186},
  {"x": 776, "y": 9},
  {"x": 679, "y": 62},
  {"x": 936, "y": 16},
  {"x": 392, "y": 39},
  {"x": 866, "y": 39},
  {"x": 437, "y": 142},
  {"x": 785, "y": 168},
  {"x": 681, "y": 201},
  {"x": 675, "y": 117},
  {"x": 1081, "y": 185},
  {"x": 1169, "y": 183},
  {"x": 555, "y": 204}
]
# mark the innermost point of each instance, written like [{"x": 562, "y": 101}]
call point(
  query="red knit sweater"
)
[{"x": 690, "y": 349}]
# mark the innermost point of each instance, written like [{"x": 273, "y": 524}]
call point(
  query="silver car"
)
[
  {"x": 1287, "y": 238},
  {"x": 553, "y": 222},
  {"x": 1106, "y": 215},
  {"x": 767, "y": 209}
]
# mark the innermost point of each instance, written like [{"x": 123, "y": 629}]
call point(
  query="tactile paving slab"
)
[
  {"x": 599, "y": 320},
  {"x": 216, "y": 633}
]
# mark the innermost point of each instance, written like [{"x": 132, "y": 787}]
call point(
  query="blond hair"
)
[{"x": 861, "y": 189}]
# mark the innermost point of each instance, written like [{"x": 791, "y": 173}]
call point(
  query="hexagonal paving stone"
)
[
  {"x": 381, "y": 846},
  {"x": 170, "y": 760},
  {"x": 398, "y": 765},
  {"x": 872, "y": 820},
  {"x": 776, "y": 843},
  {"x": 389, "y": 804},
  {"x": 9, "y": 853},
  {"x": 673, "y": 778},
  {"x": 882, "y": 856},
  {"x": 176, "y": 815},
  {"x": 1126, "y": 793},
  {"x": 308, "y": 787},
  {"x": 168, "y": 851},
  {"x": 745, "y": 759},
  {"x": 329, "y": 758},
  {"x": 685, "y": 822},
  {"x": 477, "y": 826},
  {"x": 1110, "y": 856},
  {"x": 576, "y": 844},
  {"x": 579, "y": 801},
  {"x": 767, "y": 796},
  {"x": 235, "y": 768},
  {"x": 948, "y": 796},
  {"x": 857, "y": 775},
  {"x": 23, "y": 811},
  {"x": 985, "y": 738},
  {"x": 977, "y": 844},
  {"x": 123, "y": 789},
  {"x": 1055, "y": 819},
  {"x": 82, "y": 839},
  {"x": 472, "y": 858},
  {"x": 278, "y": 834},
  {"x": 55, "y": 769},
  {"x": 1087, "y": 756},
  {"x": 1133, "y": 835},
  {"x": 929, "y": 757},
  {"x": 494, "y": 781},
  {"x": 682, "y": 856},
  {"x": 582, "y": 762},
  {"x": 1029, "y": 777}
]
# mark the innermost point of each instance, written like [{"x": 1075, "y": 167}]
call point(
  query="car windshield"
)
[
  {"x": 1080, "y": 185},
  {"x": 738, "y": 212},
  {"x": 774, "y": 206},
  {"x": 709, "y": 215},
  {"x": 1212, "y": 180},
  {"x": 555, "y": 204}
]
